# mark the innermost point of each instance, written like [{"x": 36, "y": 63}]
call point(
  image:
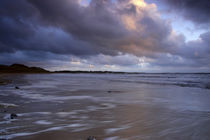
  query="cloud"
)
[
  {"x": 101, "y": 27},
  {"x": 102, "y": 33},
  {"x": 197, "y": 11}
]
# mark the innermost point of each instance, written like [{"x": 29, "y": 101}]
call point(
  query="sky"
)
[{"x": 113, "y": 35}]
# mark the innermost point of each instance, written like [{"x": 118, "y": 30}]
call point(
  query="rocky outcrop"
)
[{"x": 19, "y": 68}]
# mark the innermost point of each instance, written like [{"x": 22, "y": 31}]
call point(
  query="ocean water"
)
[{"x": 107, "y": 106}]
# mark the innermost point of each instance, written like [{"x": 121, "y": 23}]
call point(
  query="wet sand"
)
[{"x": 75, "y": 106}]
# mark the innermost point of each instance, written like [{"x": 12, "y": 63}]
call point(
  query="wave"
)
[{"x": 177, "y": 83}]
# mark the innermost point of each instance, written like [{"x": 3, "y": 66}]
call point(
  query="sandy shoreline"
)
[{"x": 69, "y": 107}]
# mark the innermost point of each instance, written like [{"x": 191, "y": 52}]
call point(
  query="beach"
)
[{"x": 106, "y": 106}]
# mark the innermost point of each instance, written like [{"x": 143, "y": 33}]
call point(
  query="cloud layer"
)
[
  {"x": 196, "y": 10},
  {"x": 118, "y": 34}
]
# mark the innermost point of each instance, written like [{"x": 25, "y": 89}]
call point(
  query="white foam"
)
[
  {"x": 76, "y": 125},
  {"x": 111, "y": 121},
  {"x": 16, "y": 135},
  {"x": 11, "y": 136},
  {"x": 54, "y": 128},
  {"x": 112, "y": 138},
  {"x": 42, "y": 97},
  {"x": 43, "y": 122},
  {"x": 34, "y": 113},
  {"x": 65, "y": 114},
  {"x": 113, "y": 130},
  {"x": 5, "y": 122},
  {"x": 6, "y": 105},
  {"x": 7, "y": 116}
]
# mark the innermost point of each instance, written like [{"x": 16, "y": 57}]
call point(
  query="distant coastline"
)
[{"x": 20, "y": 68}]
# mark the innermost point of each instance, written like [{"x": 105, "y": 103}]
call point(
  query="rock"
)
[
  {"x": 91, "y": 138},
  {"x": 13, "y": 115},
  {"x": 17, "y": 87}
]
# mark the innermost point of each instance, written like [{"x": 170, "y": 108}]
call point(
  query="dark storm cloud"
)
[
  {"x": 95, "y": 24},
  {"x": 95, "y": 21},
  {"x": 193, "y": 54},
  {"x": 97, "y": 28},
  {"x": 195, "y": 10},
  {"x": 21, "y": 28},
  {"x": 101, "y": 25},
  {"x": 104, "y": 33},
  {"x": 198, "y": 50},
  {"x": 14, "y": 24}
]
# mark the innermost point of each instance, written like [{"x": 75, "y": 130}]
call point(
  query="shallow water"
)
[{"x": 107, "y": 106}]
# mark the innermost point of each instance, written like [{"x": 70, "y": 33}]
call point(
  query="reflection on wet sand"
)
[{"x": 57, "y": 107}]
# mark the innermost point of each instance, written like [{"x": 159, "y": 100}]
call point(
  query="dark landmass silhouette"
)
[
  {"x": 97, "y": 72},
  {"x": 19, "y": 68}
]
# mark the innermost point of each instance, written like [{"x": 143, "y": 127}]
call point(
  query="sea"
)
[{"x": 144, "y": 106}]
